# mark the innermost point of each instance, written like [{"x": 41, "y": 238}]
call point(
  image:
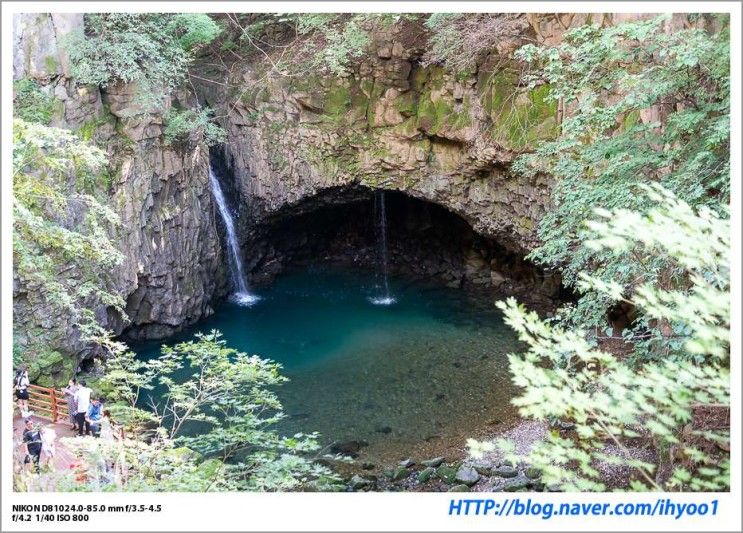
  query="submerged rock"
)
[
  {"x": 467, "y": 475},
  {"x": 533, "y": 473},
  {"x": 459, "y": 488},
  {"x": 426, "y": 474},
  {"x": 351, "y": 447},
  {"x": 435, "y": 462},
  {"x": 505, "y": 471},
  {"x": 407, "y": 463}
]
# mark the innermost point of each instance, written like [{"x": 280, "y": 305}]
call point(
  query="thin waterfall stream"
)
[
  {"x": 385, "y": 298},
  {"x": 242, "y": 295}
]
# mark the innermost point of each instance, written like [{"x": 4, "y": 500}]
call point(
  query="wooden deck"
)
[{"x": 64, "y": 457}]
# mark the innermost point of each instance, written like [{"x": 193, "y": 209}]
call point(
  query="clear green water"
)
[{"x": 426, "y": 371}]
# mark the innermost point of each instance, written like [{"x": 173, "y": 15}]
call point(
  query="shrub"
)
[
  {"x": 30, "y": 103},
  {"x": 61, "y": 243},
  {"x": 152, "y": 50},
  {"x": 186, "y": 126},
  {"x": 612, "y": 401},
  {"x": 607, "y": 78}
]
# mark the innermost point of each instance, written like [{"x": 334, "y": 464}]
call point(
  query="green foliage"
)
[
  {"x": 152, "y": 50},
  {"x": 610, "y": 400},
  {"x": 458, "y": 40},
  {"x": 607, "y": 78},
  {"x": 61, "y": 244},
  {"x": 193, "y": 30},
  {"x": 322, "y": 41},
  {"x": 30, "y": 103},
  {"x": 229, "y": 397},
  {"x": 187, "y": 126}
]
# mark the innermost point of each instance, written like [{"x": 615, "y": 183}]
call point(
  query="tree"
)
[
  {"x": 612, "y": 400},
  {"x": 645, "y": 103},
  {"x": 151, "y": 50},
  {"x": 220, "y": 419},
  {"x": 62, "y": 249}
]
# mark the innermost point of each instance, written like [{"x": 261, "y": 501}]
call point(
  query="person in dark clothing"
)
[
  {"x": 20, "y": 385},
  {"x": 32, "y": 438}
]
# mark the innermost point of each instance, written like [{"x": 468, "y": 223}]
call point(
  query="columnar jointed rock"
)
[{"x": 172, "y": 265}]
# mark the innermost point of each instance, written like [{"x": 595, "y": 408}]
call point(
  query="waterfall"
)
[
  {"x": 385, "y": 298},
  {"x": 242, "y": 295}
]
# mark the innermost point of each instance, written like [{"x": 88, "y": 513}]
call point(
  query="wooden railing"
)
[
  {"x": 51, "y": 403},
  {"x": 48, "y": 403}
]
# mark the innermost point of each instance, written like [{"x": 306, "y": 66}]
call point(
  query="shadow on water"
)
[{"x": 431, "y": 366}]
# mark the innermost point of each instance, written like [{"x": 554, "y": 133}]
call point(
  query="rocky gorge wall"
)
[
  {"x": 391, "y": 123},
  {"x": 172, "y": 257}
]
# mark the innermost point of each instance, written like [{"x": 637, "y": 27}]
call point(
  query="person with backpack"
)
[{"x": 20, "y": 387}]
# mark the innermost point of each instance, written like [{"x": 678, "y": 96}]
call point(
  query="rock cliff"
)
[
  {"x": 173, "y": 259},
  {"x": 391, "y": 123}
]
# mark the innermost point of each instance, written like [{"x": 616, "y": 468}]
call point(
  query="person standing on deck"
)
[
  {"x": 48, "y": 446},
  {"x": 20, "y": 386},
  {"x": 69, "y": 392},
  {"x": 107, "y": 430},
  {"x": 32, "y": 439},
  {"x": 82, "y": 398}
]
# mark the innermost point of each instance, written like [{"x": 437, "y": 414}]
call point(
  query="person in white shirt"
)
[
  {"x": 48, "y": 447},
  {"x": 82, "y": 398}
]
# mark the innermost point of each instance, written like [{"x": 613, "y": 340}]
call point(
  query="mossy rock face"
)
[
  {"x": 433, "y": 115},
  {"x": 337, "y": 102},
  {"x": 521, "y": 117},
  {"x": 50, "y": 368}
]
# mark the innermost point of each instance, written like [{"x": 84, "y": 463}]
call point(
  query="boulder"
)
[
  {"x": 399, "y": 473},
  {"x": 516, "y": 485},
  {"x": 435, "y": 462},
  {"x": 446, "y": 474},
  {"x": 426, "y": 474},
  {"x": 505, "y": 471},
  {"x": 467, "y": 475}
]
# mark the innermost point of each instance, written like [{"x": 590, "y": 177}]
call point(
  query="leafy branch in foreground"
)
[
  {"x": 613, "y": 402},
  {"x": 643, "y": 105},
  {"x": 220, "y": 416}
]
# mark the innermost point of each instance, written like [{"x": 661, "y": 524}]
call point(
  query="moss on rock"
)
[{"x": 520, "y": 117}]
